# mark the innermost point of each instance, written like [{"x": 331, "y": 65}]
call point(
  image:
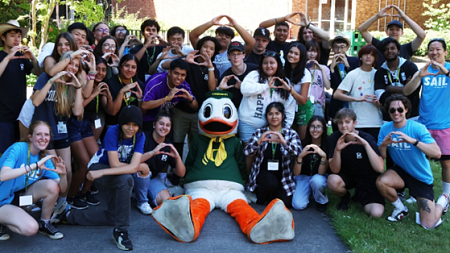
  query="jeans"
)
[{"x": 304, "y": 185}]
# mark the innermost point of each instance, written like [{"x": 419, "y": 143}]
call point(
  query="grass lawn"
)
[{"x": 365, "y": 234}]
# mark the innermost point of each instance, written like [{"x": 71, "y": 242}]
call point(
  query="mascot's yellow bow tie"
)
[{"x": 221, "y": 152}]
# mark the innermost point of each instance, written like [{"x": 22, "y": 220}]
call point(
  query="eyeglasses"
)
[
  {"x": 312, "y": 128},
  {"x": 392, "y": 110},
  {"x": 236, "y": 55},
  {"x": 109, "y": 46},
  {"x": 340, "y": 48},
  {"x": 122, "y": 31},
  {"x": 270, "y": 54},
  {"x": 102, "y": 30}
]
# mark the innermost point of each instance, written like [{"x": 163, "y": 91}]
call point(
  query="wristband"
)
[
  {"x": 139, "y": 99},
  {"x": 37, "y": 166},
  {"x": 211, "y": 69},
  {"x": 92, "y": 73},
  {"x": 323, "y": 162},
  {"x": 168, "y": 99},
  {"x": 276, "y": 22},
  {"x": 290, "y": 89},
  {"x": 152, "y": 153},
  {"x": 51, "y": 82},
  {"x": 26, "y": 170},
  {"x": 298, "y": 161},
  {"x": 307, "y": 27},
  {"x": 192, "y": 100},
  {"x": 448, "y": 73},
  {"x": 70, "y": 57},
  {"x": 417, "y": 142}
]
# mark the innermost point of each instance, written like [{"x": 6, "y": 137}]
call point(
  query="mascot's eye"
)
[
  {"x": 227, "y": 111},
  {"x": 207, "y": 111}
]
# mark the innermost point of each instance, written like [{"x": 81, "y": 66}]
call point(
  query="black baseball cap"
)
[
  {"x": 263, "y": 32},
  {"x": 236, "y": 45},
  {"x": 395, "y": 22}
]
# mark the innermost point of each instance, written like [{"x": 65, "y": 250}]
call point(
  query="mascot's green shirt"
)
[{"x": 198, "y": 167}]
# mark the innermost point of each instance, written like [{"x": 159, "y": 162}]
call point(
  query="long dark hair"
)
[
  {"x": 279, "y": 73},
  {"x": 217, "y": 46},
  {"x": 280, "y": 107},
  {"x": 295, "y": 75},
  {"x": 98, "y": 49},
  {"x": 323, "y": 137},
  {"x": 125, "y": 58},
  {"x": 69, "y": 37}
]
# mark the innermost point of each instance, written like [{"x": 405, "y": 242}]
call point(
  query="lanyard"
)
[
  {"x": 150, "y": 60},
  {"x": 312, "y": 163},
  {"x": 398, "y": 75},
  {"x": 314, "y": 74},
  {"x": 123, "y": 148},
  {"x": 274, "y": 147},
  {"x": 125, "y": 98},
  {"x": 342, "y": 72},
  {"x": 96, "y": 107},
  {"x": 28, "y": 175}
]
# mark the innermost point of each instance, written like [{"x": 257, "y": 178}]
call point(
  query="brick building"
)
[{"x": 331, "y": 15}]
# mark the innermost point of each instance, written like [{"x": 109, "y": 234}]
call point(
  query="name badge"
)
[
  {"x": 62, "y": 128},
  {"x": 312, "y": 98},
  {"x": 272, "y": 165},
  {"x": 97, "y": 123},
  {"x": 26, "y": 200}
]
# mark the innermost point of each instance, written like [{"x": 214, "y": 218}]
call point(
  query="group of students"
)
[{"x": 140, "y": 100}]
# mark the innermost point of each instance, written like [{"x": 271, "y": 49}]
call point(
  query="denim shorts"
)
[
  {"x": 155, "y": 187},
  {"x": 78, "y": 130},
  {"x": 245, "y": 131}
]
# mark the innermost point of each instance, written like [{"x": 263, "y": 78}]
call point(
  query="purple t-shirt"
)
[
  {"x": 317, "y": 86},
  {"x": 156, "y": 88}
]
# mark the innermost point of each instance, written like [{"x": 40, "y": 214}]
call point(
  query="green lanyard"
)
[
  {"x": 127, "y": 101},
  {"x": 274, "y": 147},
  {"x": 29, "y": 174},
  {"x": 123, "y": 148},
  {"x": 398, "y": 75},
  {"x": 314, "y": 74},
  {"x": 96, "y": 107},
  {"x": 150, "y": 60}
]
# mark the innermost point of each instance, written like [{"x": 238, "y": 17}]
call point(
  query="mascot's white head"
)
[{"x": 218, "y": 116}]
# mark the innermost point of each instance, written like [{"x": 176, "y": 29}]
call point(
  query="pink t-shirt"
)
[{"x": 317, "y": 88}]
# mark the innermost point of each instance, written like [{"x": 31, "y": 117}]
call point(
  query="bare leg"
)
[
  {"x": 336, "y": 185},
  {"x": 23, "y": 131},
  {"x": 374, "y": 209},
  {"x": 445, "y": 164},
  {"x": 429, "y": 212},
  {"x": 47, "y": 190},
  {"x": 17, "y": 220},
  {"x": 161, "y": 196},
  {"x": 387, "y": 184}
]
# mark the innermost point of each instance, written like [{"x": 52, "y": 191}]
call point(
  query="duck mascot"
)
[{"x": 215, "y": 175}]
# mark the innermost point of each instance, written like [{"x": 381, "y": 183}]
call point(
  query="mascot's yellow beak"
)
[{"x": 218, "y": 126}]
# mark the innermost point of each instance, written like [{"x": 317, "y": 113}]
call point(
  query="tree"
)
[{"x": 439, "y": 15}]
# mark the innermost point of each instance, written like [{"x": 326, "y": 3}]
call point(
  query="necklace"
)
[{"x": 167, "y": 81}]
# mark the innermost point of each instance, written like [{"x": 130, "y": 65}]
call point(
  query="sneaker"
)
[
  {"x": 445, "y": 208},
  {"x": 3, "y": 235},
  {"x": 121, "y": 239},
  {"x": 321, "y": 207},
  {"x": 59, "y": 208},
  {"x": 77, "y": 203},
  {"x": 49, "y": 230},
  {"x": 89, "y": 199},
  {"x": 93, "y": 190},
  {"x": 398, "y": 215},
  {"x": 411, "y": 200},
  {"x": 60, "y": 217},
  {"x": 145, "y": 208},
  {"x": 401, "y": 195},
  {"x": 345, "y": 202}
]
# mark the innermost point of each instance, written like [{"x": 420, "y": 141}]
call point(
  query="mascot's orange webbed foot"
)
[
  {"x": 181, "y": 217},
  {"x": 275, "y": 224}
]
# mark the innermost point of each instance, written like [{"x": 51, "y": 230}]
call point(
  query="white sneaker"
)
[
  {"x": 145, "y": 208},
  {"x": 411, "y": 200}
]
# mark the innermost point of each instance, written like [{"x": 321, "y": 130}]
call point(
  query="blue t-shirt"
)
[
  {"x": 15, "y": 157},
  {"x": 124, "y": 148},
  {"x": 46, "y": 111},
  {"x": 434, "y": 110},
  {"x": 156, "y": 88},
  {"x": 406, "y": 155}
]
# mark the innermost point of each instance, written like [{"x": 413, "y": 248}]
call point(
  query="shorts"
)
[
  {"x": 304, "y": 113},
  {"x": 184, "y": 123},
  {"x": 442, "y": 138},
  {"x": 155, "y": 187},
  {"x": 245, "y": 131},
  {"x": 366, "y": 191},
  {"x": 318, "y": 110},
  {"x": 417, "y": 189},
  {"x": 78, "y": 130},
  {"x": 58, "y": 144},
  {"x": 26, "y": 113}
]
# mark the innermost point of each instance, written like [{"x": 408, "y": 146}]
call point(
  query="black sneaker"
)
[
  {"x": 121, "y": 239},
  {"x": 321, "y": 207},
  {"x": 49, "y": 230},
  {"x": 88, "y": 198},
  {"x": 77, "y": 203},
  {"x": 61, "y": 217},
  {"x": 401, "y": 195},
  {"x": 345, "y": 202},
  {"x": 93, "y": 190},
  {"x": 3, "y": 235}
]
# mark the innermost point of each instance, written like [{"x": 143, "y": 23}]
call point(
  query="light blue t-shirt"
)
[
  {"x": 434, "y": 109},
  {"x": 406, "y": 155},
  {"x": 15, "y": 157},
  {"x": 222, "y": 63}
]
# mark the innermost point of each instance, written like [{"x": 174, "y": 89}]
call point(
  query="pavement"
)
[{"x": 220, "y": 233}]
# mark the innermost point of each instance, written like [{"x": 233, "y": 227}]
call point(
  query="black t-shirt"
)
[
  {"x": 13, "y": 84},
  {"x": 90, "y": 110},
  {"x": 197, "y": 78},
  {"x": 310, "y": 164},
  {"x": 276, "y": 47},
  {"x": 237, "y": 95},
  {"x": 324, "y": 55},
  {"x": 406, "y": 51},
  {"x": 159, "y": 162},
  {"x": 354, "y": 159},
  {"x": 253, "y": 58},
  {"x": 114, "y": 87},
  {"x": 148, "y": 58},
  {"x": 407, "y": 70},
  {"x": 268, "y": 155}
]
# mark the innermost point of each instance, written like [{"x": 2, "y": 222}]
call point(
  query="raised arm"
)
[
  {"x": 195, "y": 34},
  {"x": 247, "y": 37},
  {"x": 363, "y": 29},
  {"x": 274, "y": 21}
]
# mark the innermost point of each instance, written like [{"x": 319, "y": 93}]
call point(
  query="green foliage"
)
[
  {"x": 409, "y": 35},
  {"x": 439, "y": 15},
  {"x": 14, "y": 9},
  {"x": 120, "y": 16},
  {"x": 366, "y": 234},
  {"x": 31, "y": 80},
  {"x": 86, "y": 11}
]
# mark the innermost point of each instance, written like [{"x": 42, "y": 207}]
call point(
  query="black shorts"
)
[
  {"x": 366, "y": 191},
  {"x": 58, "y": 144},
  {"x": 417, "y": 189}
]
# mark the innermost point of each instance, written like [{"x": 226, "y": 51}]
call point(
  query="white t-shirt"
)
[
  {"x": 184, "y": 49},
  {"x": 359, "y": 83},
  {"x": 306, "y": 79},
  {"x": 47, "y": 50}
]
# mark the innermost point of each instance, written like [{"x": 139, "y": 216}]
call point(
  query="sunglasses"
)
[
  {"x": 121, "y": 31},
  {"x": 400, "y": 110},
  {"x": 270, "y": 54}
]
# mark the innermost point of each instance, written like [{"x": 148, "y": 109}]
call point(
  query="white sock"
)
[
  {"x": 446, "y": 188},
  {"x": 45, "y": 221},
  {"x": 442, "y": 201},
  {"x": 398, "y": 204}
]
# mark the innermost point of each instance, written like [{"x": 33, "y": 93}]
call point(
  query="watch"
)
[{"x": 448, "y": 73}]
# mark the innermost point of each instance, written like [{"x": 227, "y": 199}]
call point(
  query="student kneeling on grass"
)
[
  {"x": 408, "y": 142},
  {"x": 356, "y": 163}
]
